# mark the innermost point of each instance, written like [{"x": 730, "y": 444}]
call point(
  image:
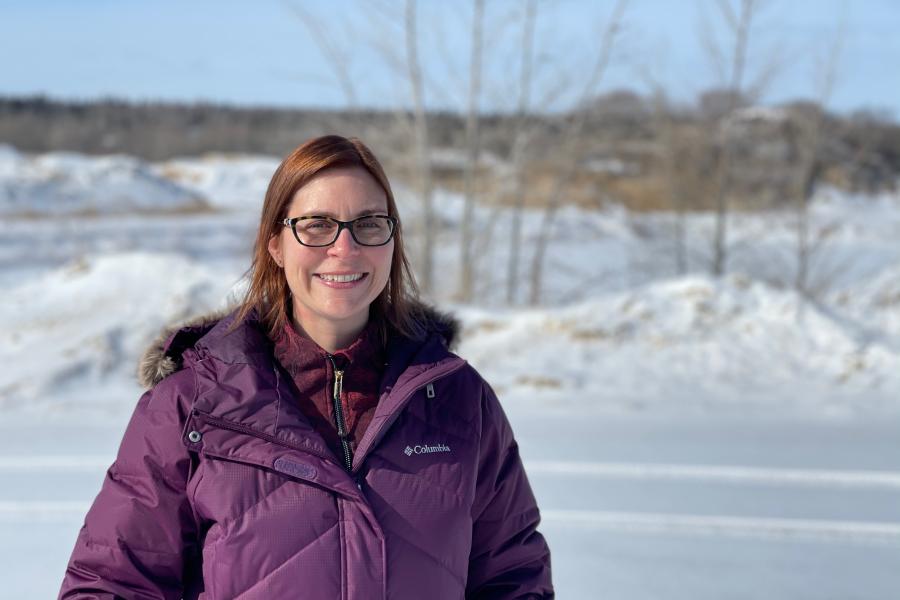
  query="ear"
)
[{"x": 274, "y": 247}]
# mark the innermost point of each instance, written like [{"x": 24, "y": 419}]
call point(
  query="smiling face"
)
[{"x": 329, "y": 311}]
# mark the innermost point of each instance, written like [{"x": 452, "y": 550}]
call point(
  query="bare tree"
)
[
  {"x": 676, "y": 199},
  {"x": 335, "y": 55},
  {"x": 572, "y": 140},
  {"x": 808, "y": 164},
  {"x": 670, "y": 150},
  {"x": 520, "y": 140},
  {"x": 467, "y": 266},
  {"x": 422, "y": 148},
  {"x": 731, "y": 61},
  {"x": 739, "y": 26}
]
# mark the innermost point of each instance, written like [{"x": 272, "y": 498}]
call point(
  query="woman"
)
[{"x": 320, "y": 441}]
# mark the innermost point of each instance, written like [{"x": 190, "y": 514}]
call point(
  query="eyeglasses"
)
[{"x": 317, "y": 231}]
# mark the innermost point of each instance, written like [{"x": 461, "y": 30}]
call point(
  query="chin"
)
[{"x": 348, "y": 315}]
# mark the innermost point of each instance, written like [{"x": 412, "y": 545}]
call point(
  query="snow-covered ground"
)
[
  {"x": 234, "y": 183},
  {"x": 687, "y": 437},
  {"x": 61, "y": 184},
  {"x": 633, "y": 506}
]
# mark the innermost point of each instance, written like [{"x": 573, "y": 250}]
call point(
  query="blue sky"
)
[{"x": 259, "y": 53}]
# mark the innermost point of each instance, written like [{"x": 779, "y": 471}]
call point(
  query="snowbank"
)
[
  {"x": 64, "y": 183},
  {"x": 230, "y": 182},
  {"x": 688, "y": 344},
  {"x": 77, "y": 332}
]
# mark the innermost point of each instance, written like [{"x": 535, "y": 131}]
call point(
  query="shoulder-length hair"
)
[{"x": 268, "y": 295}]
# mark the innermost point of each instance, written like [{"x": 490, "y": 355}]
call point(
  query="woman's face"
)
[{"x": 323, "y": 307}]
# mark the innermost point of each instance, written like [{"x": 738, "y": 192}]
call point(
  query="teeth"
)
[{"x": 342, "y": 278}]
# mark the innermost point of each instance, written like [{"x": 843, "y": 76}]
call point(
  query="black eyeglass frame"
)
[{"x": 291, "y": 222}]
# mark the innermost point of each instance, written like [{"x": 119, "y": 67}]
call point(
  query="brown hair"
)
[{"x": 397, "y": 306}]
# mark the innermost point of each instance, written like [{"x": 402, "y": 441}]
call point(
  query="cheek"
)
[
  {"x": 384, "y": 261},
  {"x": 300, "y": 257}
]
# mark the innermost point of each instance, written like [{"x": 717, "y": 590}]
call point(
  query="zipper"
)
[
  {"x": 339, "y": 416},
  {"x": 348, "y": 455},
  {"x": 419, "y": 385}
]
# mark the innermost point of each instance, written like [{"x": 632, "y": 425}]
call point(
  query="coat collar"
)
[
  {"x": 242, "y": 389},
  {"x": 247, "y": 343}
]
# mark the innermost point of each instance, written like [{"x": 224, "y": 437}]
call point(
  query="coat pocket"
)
[{"x": 267, "y": 512}]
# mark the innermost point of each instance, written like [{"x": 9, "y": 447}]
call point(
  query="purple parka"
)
[{"x": 222, "y": 490}]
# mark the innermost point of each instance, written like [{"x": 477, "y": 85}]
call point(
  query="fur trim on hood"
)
[
  {"x": 161, "y": 360},
  {"x": 157, "y": 363}
]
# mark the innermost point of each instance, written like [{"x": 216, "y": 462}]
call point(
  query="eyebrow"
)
[{"x": 362, "y": 213}]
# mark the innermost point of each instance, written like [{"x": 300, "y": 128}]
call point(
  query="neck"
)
[{"x": 330, "y": 338}]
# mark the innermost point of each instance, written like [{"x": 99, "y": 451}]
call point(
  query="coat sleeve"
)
[
  {"x": 140, "y": 532},
  {"x": 509, "y": 557}
]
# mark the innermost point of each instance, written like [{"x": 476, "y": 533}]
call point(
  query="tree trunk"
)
[
  {"x": 518, "y": 154},
  {"x": 570, "y": 153},
  {"x": 467, "y": 259},
  {"x": 741, "y": 28},
  {"x": 422, "y": 151}
]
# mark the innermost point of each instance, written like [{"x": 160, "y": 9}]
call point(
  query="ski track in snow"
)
[
  {"x": 43, "y": 511},
  {"x": 721, "y": 474},
  {"x": 768, "y": 528}
]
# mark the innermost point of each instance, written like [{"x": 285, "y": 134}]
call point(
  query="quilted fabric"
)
[{"x": 223, "y": 490}]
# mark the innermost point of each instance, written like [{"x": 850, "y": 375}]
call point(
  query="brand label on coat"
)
[
  {"x": 296, "y": 469},
  {"x": 425, "y": 449}
]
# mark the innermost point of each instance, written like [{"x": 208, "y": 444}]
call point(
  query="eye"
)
[
  {"x": 316, "y": 224},
  {"x": 369, "y": 222}
]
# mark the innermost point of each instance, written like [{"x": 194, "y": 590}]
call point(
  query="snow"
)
[
  {"x": 63, "y": 317},
  {"x": 685, "y": 344},
  {"x": 233, "y": 182},
  {"x": 65, "y": 183},
  {"x": 622, "y": 526},
  {"x": 726, "y": 435}
]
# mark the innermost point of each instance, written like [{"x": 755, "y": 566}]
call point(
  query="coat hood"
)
[{"x": 163, "y": 356}]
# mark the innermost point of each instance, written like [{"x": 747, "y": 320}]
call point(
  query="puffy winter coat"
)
[{"x": 222, "y": 490}]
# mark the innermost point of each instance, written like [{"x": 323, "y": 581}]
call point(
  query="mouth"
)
[{"x": 341, "y": 277}]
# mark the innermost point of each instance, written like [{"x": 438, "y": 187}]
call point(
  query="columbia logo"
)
[{"x": 424, "y": 449}]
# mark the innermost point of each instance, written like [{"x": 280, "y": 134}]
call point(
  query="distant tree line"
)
[{"x": 860, "y": 152}]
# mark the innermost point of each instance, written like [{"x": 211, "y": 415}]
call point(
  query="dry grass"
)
[
  {"x": 199, "y": 207},
  {"x": 539, "y": 382}
]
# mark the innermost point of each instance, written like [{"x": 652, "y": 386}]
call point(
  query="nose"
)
[{"x": 344, "y": 244}]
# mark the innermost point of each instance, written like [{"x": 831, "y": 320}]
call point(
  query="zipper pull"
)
[
  {"x": 339, "y": 420},
  {"x": 338, "y": 386}
]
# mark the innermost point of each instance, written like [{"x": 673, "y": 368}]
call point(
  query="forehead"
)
[{"x": 340, "y": 192}]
